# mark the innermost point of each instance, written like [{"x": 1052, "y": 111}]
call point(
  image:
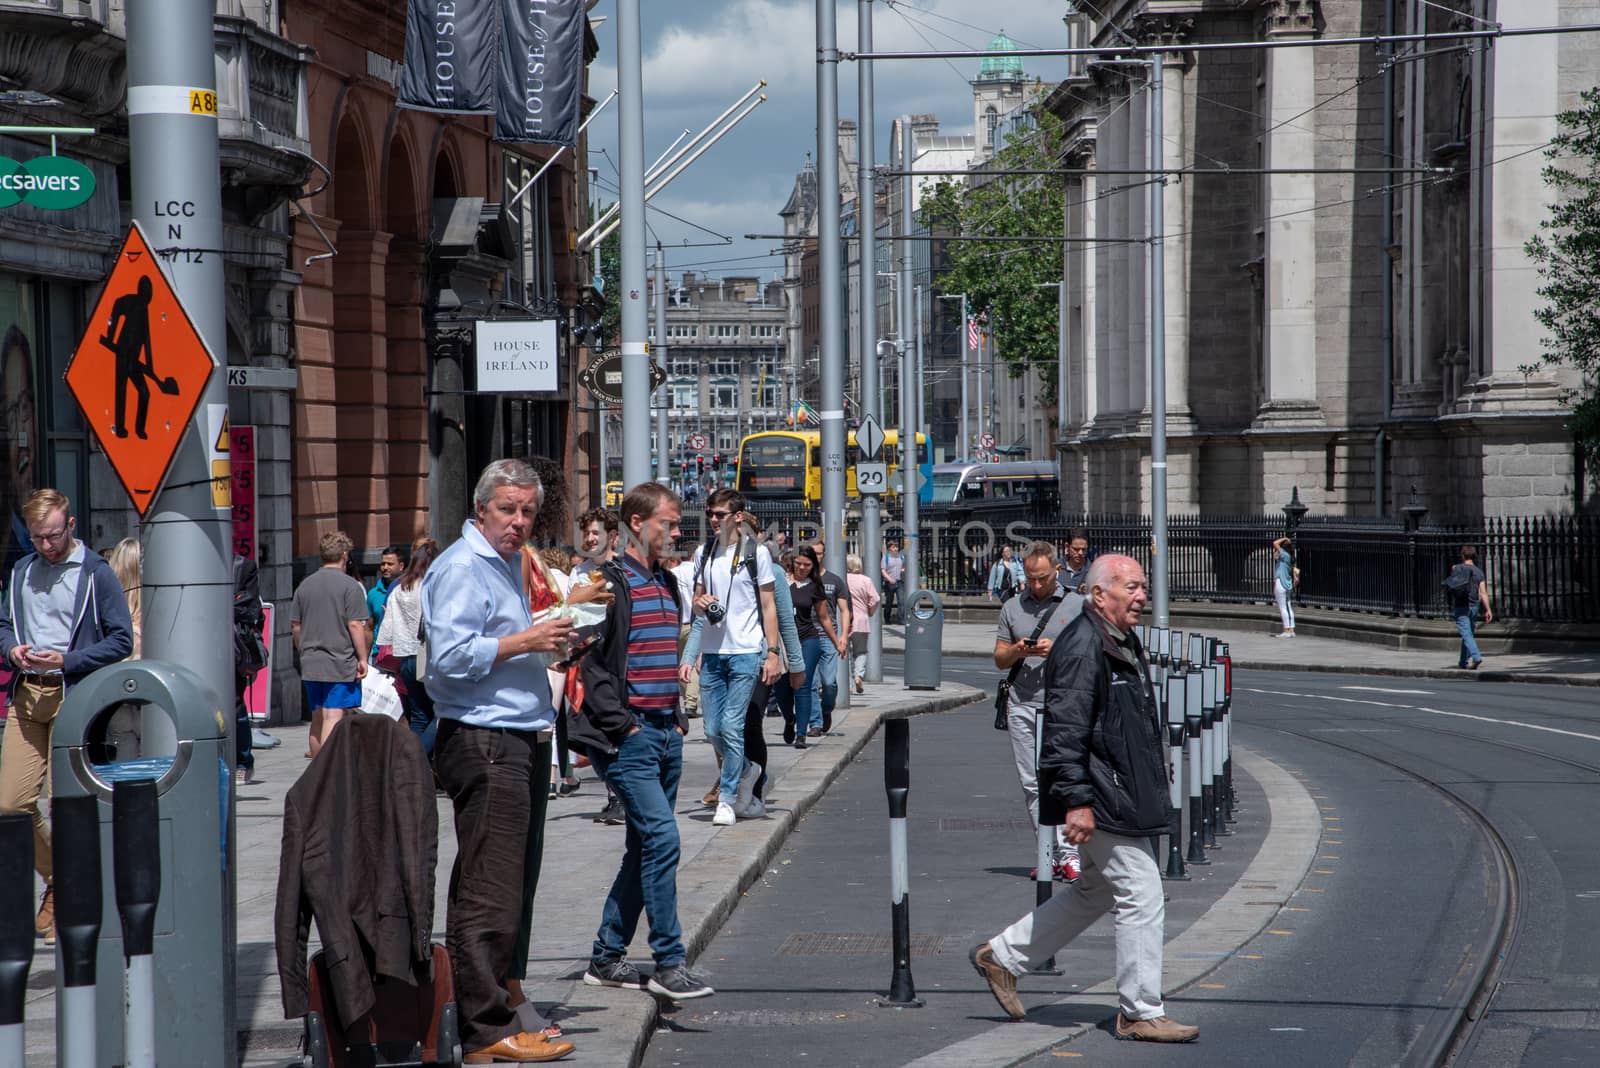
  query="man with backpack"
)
[
  {"x": 733, "y": 592},
  {"x": 1468, "y": 592}
]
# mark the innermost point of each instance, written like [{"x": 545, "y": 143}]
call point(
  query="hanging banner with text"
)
[
  {"x": 541, "y": 71},
  {"x": 516, "y": 356},
  {"x": 452, "y": 55}
]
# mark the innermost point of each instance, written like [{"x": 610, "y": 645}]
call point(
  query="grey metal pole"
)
[
  {"x": 1158, "y": 362},
  {"x": 922, "y": 401},
  {"x": 912, "y": 581},
  {"x": 16, "y": 934},
  {"x": 830, "y": 267},
  {"x": 175, "y": 193},
  {"x": 1061, "y": 350},
  {"x": 871, "y": 391},
  {"x": 630, "y": 153},
  {"x": 965, "y": 448},
  {"x": 664, "y": 401}
]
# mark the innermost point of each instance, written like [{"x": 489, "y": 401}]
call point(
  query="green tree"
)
[
  {"x": 1566, "y": 253},
  {"x": 610, "y": 260},
  {"x": 1002, "y": 279}
]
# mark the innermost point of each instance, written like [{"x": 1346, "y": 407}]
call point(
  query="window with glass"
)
[
  {"x": 685, "y": 394},
  {"x": 722, "y": 330},
  {"x": 725, "y": 397},
  {"x": 725, "y": 364},
  {"x": 766, "y": 330}
]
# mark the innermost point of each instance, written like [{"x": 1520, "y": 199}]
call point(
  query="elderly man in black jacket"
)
[{"x": 1103, "y": 774}]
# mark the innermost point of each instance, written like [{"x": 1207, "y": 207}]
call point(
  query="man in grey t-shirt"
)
[
  {"x": 329, "y": 625},
  {"x": 1014, "y": 644}
]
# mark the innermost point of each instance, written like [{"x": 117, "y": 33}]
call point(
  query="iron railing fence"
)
[{"x": 1543, "y": 568}]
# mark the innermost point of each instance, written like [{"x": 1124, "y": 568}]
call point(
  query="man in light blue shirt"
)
[{"x": 492, "y": 696}]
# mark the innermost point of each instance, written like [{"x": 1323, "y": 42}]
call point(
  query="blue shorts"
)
[{"x": 339, "y": 695}]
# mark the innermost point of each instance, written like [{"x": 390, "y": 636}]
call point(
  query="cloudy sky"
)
[{"x": 701, "y": 55}]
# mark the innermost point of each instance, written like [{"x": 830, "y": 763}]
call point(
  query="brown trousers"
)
[{"x": 25, "y": 760}]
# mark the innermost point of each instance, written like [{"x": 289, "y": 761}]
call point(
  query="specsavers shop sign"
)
[{"x": 52, "y": 183}]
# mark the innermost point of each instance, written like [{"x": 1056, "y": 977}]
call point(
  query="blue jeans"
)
[
  {"x": 644, "y": 773},
  {"x": 418, "y": 705},
  {"x": 1469, "y": 643},
  {"x": 828, "y": 680},
  {"x": 800, "y": 705},
  {"x": 726, "y": 680}
]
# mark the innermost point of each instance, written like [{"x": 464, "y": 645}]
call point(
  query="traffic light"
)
[{"x": 700, "y": 464}]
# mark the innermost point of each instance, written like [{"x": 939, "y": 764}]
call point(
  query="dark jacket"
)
[
  {"x": 102, "y": 630},
  {"x": 605, "y": 719},
  {"x": 360, "y": 843},
  {"x": 1103, "y": 743}
]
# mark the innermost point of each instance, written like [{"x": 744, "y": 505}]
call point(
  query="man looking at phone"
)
[
  {"x": 1029, "y": 625},
  {"x": 739, "y": 644},
  {"x": 64, "y": 616}
]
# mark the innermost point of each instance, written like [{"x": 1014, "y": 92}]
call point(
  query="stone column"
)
[
  {"x": 1135, "y": 196},
  {"x": 1176, "y": 243},
  {"x": 1115, "y": 364},
  {"x": 1088, "y": 264},
  {"x": 1290, "y": 344},
  {"x": 361, "y": 387}
]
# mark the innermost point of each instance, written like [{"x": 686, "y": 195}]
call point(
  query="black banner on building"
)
[
  {"x": 541, "y": 71},
  {"x": 452, "y": 55}
]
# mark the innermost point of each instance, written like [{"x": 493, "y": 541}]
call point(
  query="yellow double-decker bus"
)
[{"x": 787, "y": 464}]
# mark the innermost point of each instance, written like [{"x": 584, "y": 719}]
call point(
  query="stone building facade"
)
[
  {"x": 728, "y": 372},
  {"x": 1355, "y": 321}
]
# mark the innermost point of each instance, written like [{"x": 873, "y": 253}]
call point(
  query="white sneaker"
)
[
  {"x": 724, "y": 816},
  {"x": 753, "y": 809},
  {"x": 747, "y": 785}
]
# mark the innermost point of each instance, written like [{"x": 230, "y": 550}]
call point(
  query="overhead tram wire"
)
[{"x": 1375, "y": 40}]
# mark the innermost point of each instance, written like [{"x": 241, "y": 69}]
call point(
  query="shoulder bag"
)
[{"x": 1002, "y": 694}]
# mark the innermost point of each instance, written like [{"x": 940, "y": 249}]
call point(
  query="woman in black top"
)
[{"x": 810, "y": 609}]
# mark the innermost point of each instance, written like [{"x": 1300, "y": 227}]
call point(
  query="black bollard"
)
[
  {"x": 1213, "y": 700},
  {"x": 1191, "y": 720},
  {"x": 1226, "y": 660},
  {"x": 1174, "y": 697},
  {"x": 75, "y": 850},
  {"x": 897, "y": 784},
  {"x": 16, "y": 931},
  {"x": 1208, "y": 741},
  {"x": 136, "y": 858},
  {"x": 1044, "y": 855}
]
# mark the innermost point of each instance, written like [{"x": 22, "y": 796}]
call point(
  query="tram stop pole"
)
[{"x": 897, "y": 784}]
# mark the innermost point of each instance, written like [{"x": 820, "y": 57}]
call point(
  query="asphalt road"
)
[{"x": 1361, "y": 967}]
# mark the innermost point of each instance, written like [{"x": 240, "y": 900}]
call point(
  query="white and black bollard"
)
[
  {"x": 1212, "y": 699},
  {"x": 1191, "y": 722},
  {"x": 1175, "y": 704},
  {"x": 136, "y": 859},
  {"x": 1208, "y": 754},
  {"x": 16, "y": 933},
  {"x": 75, "y": 852},
  {"x": 1197, "y": 650},
  {"x": 1226, "y": 660},
  {"x": 1044, "y": 853},
  {"x": 897, "y": 784}
]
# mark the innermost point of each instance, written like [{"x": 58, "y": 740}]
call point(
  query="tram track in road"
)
[
  {"x": 1451, "y": 1036},
  {"x": 1529, "y": 828}
]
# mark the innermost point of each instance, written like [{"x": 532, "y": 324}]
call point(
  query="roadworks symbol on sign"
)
[{"x": 140, "y": 371}]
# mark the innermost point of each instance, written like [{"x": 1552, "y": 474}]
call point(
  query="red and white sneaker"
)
[{"x": 1066, "y": 867}]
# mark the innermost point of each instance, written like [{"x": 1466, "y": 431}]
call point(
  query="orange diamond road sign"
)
[{"x": 140, "y": 371}]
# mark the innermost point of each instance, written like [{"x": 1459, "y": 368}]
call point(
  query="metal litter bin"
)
[
  {"x": 180, "y": 742},
  {"x": 924, "y": 614}
]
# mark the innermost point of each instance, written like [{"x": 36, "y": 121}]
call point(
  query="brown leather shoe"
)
[
  {"x": 711, "y": 795},
  {"x": 45, "y": 922},
  {"x": 1002, "y": 984},
  {"x": 1160, "y": 1029},
  {"x": 520, "y": 1048}
]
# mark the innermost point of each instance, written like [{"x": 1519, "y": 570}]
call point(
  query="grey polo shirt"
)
[
  {"x": 1018, "y": 619},
  {"x": 51, "y": 593}
]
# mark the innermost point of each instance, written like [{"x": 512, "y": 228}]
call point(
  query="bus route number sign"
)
[{"x": 872, "y": 478}]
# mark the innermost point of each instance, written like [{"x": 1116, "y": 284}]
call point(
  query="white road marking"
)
[
  {"x": 1386, "y": 689},
  {"x": 1436, "y": 712}
]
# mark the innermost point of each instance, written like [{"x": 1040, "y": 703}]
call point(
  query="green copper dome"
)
[{"x": 1001, "y": 68}]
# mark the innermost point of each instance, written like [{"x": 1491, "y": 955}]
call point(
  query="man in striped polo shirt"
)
[{"x": 632, "y": 728}]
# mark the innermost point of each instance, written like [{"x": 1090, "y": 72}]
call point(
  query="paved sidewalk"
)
[
  {"x": 1262, "y": 651},
  {"x": 610, "y": 1027}
]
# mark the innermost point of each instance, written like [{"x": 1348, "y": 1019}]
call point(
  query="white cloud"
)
[{"x": 701, "y": 55}]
